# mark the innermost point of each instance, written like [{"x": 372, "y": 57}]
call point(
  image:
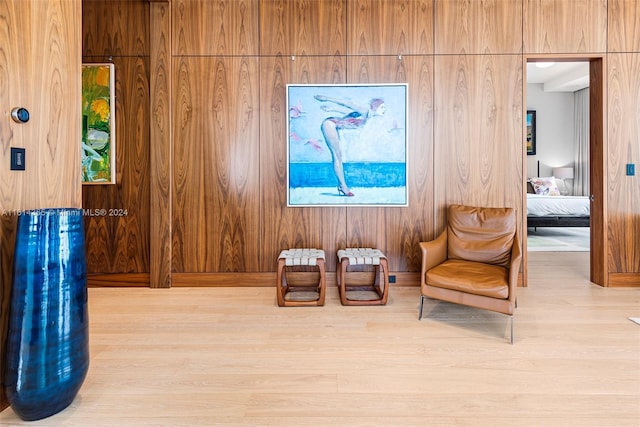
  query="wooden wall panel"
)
[
  {"x": 276, "y": 28},
  {"x": 160, "y": 133},
  {"x": 478, "y": 27},
  {"x": 390, "y": 27},
  {"x": 302, "y": 27},
  {"x": 40, "y": 51},
  {"x": 397, "y": 231},
  {"x": 318, "y": 27},
  {"x": 283, "y": 227},
  {"x": 624, "y": 26},
  {"x": 115, "y": 27},
  {"x": 216, "y": 164},
  {"x": 416, "y": 223},
  {"x": 120, "y": 244},
  {"x": 624, "y": 127},
  {"x": 220, "y": 27},
  {"x": 561, "y": 26},
  {"x": 478, "y": 131},
  {"x": 118, "y": 31}
]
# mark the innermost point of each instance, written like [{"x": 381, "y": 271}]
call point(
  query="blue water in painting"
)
[{"x": 356, "y": 174}]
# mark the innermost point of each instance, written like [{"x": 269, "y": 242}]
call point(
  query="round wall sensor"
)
[{"x": 20, "y": 115}]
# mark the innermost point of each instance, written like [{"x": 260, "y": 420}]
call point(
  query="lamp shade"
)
[{"x": 564, "y": 173}]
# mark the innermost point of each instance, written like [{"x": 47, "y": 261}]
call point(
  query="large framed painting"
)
[
  {"x": 98, "y": 124},
  {"x": 347, "y": 145},
  {"x": 531, "y": 132}
]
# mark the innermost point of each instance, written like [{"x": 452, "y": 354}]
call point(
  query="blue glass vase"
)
[{"x": 48, "y": 336}]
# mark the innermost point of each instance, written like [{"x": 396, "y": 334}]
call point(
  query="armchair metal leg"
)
[
  {"x": 511, "y": 330},
  {"x": 421, "y": 305}
]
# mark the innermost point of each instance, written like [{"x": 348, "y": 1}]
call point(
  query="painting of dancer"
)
[{"x": 347, "y": 145}]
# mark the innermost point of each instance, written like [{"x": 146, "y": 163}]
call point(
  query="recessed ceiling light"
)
[{"x": 544, "y": 64}]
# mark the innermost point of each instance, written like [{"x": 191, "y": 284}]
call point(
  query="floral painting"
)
[
  {"x": 98, "y": 124},
  {"x": 347, "y": 145}
]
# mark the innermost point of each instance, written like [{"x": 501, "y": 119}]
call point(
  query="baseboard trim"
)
[
  {"x": 266, "y": 279},
  {"x": 223, "y": 279},
  {"x": 624, "y": 280},
  {"x": 118, "y": 280}
]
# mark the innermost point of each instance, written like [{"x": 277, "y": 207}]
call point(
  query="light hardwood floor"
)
[{"x": 231, "y": 357}]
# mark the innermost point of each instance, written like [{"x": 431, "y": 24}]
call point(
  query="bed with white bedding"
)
[{"x": 557, "y": 211}]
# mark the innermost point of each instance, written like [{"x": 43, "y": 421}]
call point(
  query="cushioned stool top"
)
[
  {"x": 359, "y": 256},
  {"x": 301, "y": 256}
]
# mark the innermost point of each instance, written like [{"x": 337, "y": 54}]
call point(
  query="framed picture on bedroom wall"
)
[{"x": 531, "y": 132}]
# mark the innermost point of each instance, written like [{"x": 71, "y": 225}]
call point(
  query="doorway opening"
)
[{"x": 564, "y": 160}]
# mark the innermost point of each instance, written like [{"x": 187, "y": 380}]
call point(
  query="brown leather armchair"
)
[{"x": 475, "y": 260}]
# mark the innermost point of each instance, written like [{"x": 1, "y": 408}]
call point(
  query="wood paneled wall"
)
[
  {"x": 161, "y": 133},
  {"x": 40, "y": 51},
  {"x": 300, "y": 42},
  {"x": 478, "y": 27},
  {"x": 118, "y": 32},
  {"x": 623, "y": 201},
  {"x": 624, "y": 26},
  {"x": 229, "y": 65},
  {"x": 560, "y": 26},
  {"x": 216, "y": 209},
  {"x": 623, "y": 130},
  {"x": 481, "y": 120},
  {"x": 39, "y": 63},
  {"x": 388, "y": 28}
]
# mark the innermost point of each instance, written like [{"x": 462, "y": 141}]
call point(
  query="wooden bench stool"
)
[
  {"x": 307, "y": 267},
  {"x": 367, "y": 290}
]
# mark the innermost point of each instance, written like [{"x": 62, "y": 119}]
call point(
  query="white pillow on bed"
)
[{"x": 545, "y": 185}]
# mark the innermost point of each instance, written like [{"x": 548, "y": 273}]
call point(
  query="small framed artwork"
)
[
  {"x": 98, "y": 124},
  {"x": 531, "y": 132},
  {"x": 347, "y": 145}
]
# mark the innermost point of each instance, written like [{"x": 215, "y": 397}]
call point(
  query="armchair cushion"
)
[
  {"x": 471, "y": 277},
  {"x": 481, "y": 234}
]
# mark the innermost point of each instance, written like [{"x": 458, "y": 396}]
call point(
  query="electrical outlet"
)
[
  {"x": 17, "y": 159},
  {"x": 631, "y": 169},
  {"x": 392, "y": 279}
]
